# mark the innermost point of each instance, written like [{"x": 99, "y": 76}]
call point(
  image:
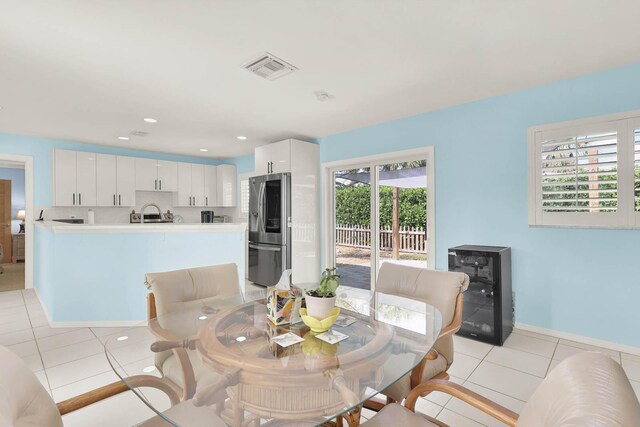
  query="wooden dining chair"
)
[
  {"x": 177, "y": 290},
  {"x": 442, "y": 289},
  {"x": 587, "y": 389},
  {"x": 25, "y": 402}
]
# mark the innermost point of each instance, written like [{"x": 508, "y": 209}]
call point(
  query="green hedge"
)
[{"x": 353, "y": 206}]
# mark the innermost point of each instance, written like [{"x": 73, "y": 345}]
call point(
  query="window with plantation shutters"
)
[
  {"x": 586, "y": 173},
  {"x": 580, "y": 174},
  {"x": 636, "y": 169}
]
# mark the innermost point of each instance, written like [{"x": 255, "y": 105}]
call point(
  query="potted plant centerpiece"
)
[{"x": 321, "y": 301}]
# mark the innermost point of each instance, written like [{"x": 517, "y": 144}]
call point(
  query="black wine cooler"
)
[{"x": 487, "y": 313}]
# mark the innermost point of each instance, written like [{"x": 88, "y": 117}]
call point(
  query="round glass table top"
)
[{"x": 226, "y": 361}]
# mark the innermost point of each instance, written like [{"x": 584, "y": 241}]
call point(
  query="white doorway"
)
[
  {"x": 16, "y": 222},
  {"x": 378, "y": 209}
]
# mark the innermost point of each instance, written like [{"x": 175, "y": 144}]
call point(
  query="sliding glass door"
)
[{"x": 381, "y": 211}]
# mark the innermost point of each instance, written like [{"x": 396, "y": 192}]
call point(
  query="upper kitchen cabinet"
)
[
  {"x": 226, "y": 186},
  {"x": 191, "y": 185},
  {"x": 156, "y": 175},
  {"x": 74, "y": 178},
  {"x": 273, "y": 158},
  {"x": 115, "y": 180},
  {"x": 210, "y": 185}
]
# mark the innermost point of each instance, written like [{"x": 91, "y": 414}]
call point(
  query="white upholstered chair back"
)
[
  {"x": 176, "y": 290},
  {"x": 23, "y": 400},
  {"x": 588, "y": 389},
  {"x": 437, "y": 288}
]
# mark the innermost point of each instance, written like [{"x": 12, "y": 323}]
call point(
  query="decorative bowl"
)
[{"x": 317, "y": 325}]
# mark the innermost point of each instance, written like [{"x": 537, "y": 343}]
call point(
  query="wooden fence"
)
[{"x": 411, "y": 239}]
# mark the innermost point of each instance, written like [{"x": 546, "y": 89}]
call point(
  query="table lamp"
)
[{"x": 21, "y": 214}]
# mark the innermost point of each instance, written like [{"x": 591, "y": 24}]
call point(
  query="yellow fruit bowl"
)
[{"x": 318, "y": 325}]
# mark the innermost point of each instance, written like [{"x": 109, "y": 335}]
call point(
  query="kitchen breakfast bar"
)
[{"x": 93, "y": 275}]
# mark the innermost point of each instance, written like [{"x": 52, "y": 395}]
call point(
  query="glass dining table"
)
[{"x": 235, "y": 362}]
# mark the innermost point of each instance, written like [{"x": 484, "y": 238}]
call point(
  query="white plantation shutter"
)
[
  {"x": 579, "y": 174},
  {"x": 636, "y": 169}
]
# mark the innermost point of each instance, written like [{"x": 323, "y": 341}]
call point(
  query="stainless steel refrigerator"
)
[{"x": 269, "y": 227}]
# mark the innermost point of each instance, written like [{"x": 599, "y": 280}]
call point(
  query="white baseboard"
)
[
  {"x": 580, "y": 338},
  {"x": 87, "y": 324}
]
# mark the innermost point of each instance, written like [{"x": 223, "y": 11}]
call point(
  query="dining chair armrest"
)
[
  {"x": 472, "y": 398},
  {"x": 456, "y": 322},
  {"x": 109, "y": 390}
]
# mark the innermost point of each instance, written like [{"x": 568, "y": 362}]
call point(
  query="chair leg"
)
[{"x": 374, "y": 405}]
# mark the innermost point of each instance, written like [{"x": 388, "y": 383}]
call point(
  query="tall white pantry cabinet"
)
[{"x": 302, "y": 160}]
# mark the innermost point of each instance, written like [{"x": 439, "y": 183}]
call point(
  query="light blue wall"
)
[
  {"x": 16, "y": 176},
  {"x": 99, "y": 277},
  {"x": 41, "y": 149},
  {"x": 580, "y": 281},
  {"x": 243, "y": 164}
]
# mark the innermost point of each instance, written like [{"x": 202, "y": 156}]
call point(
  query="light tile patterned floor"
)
[{"x": 70, "y": 361}]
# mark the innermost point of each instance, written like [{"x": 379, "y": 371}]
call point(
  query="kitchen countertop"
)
[{"x": 61, "y": 227}]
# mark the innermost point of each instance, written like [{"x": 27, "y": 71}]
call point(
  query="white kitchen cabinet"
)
[
  {"x": 64, "y": 178},
  {"x": 146, "y": 174},
  {"x": 273, "y": 158},
  {"x": 210, "y": 185},
  {"x": 115, "y": 180},
  {"x": 167, "y": 175},
  {"x": 184, "y": 184},
  {"x": 191, "y": 185},
  {"x": 156, "y": 175},
  {"x": 74, "y": 176},
  {"x": 197, "y": 184},
  {"x": 106, "y": 180},
  {"x": 226, "y": 186},
  {"x": 126, "y": 180}
]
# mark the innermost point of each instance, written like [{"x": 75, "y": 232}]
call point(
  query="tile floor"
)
[{"x": 70, "y": 361}]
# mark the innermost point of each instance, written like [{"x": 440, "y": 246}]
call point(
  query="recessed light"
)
[
  {"x": 202, "y": 317},
  {"x": 123, "y": 338},
  {"x": 149, "y": 369},
  {"x": 240, "y": 339},
  {"x": 123, "y": 138},
  {"x": 241, "y": 138},
  {"x": 204, "y": 150},
  {"x": 150, "y": 120}
]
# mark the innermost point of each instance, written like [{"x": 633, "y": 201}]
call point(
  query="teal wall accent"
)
[
  {"x": 243, "y": 164},
  {"x": 578, "y": 281},
  {"x": 99, "y": 277},
  {"x": 41, "y": 149}
]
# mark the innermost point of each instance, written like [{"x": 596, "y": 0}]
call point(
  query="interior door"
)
[
  {"x": 106, "y": 181},
  {"x": 86, "y": 178},
  {"x": 126, "y": 181},
  {"x": 5, "y": 219}
]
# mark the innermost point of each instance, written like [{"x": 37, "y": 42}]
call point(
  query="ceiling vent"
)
[
  {"x": 139, "y": 133},
  {"x": 269, "y": 67}
]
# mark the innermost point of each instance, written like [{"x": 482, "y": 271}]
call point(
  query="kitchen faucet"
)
[{"x": 145, "y": 207}]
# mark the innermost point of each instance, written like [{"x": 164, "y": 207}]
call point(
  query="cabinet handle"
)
[
  {"x": 114, "y": 200},
  {"x": 120, "y": 199},
  {"x": 161, "y": 184},
  {"x": 189, "y": 200},
  {"x": 74, "y": 199},
  {"x": 80, "y": 199},
  {"x": 155, "y": 185},
  {"x": 206, "y": 201}
]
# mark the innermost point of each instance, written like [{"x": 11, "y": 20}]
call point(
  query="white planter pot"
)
[{"x": 320, "y": 308}]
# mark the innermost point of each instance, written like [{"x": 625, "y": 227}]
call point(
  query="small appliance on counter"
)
[
  {"x": 206, "y": 217},
  {"x": 70, "y": 220},
  {"x": 164, "y": 217},
  {"x": 220, "y": 219}
]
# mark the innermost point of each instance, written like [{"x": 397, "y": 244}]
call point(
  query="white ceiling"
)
[{"x": 91, "y": 70}]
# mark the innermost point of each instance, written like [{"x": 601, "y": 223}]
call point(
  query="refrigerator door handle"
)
[{"x": 265, "y": 248}]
